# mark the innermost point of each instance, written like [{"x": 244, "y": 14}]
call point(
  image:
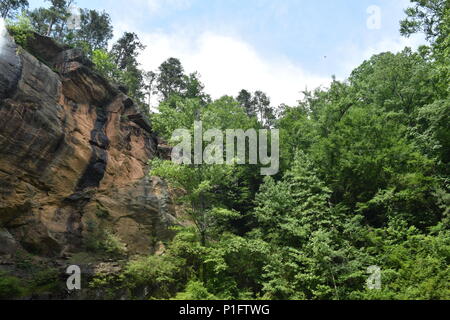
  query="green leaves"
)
[
  {"x": 8, "y": 8},
  {"x": 432, "y": 17},
  {"x": 95, "y": 29},
  {"x": 21, "y": 30}
]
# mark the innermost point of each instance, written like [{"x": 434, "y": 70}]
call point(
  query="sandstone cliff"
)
[{"x": 73, "y": 158}]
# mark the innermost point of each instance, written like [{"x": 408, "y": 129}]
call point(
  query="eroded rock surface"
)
[{"x": 73, "y": 157}]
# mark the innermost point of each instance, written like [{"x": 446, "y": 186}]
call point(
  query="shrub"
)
[
  {"x": 113, "y": 245},
  {"x": 10, "y": 287},
  {"x": 105, "y": 65},
  {"x": 104, "y": 241},
  {"x": 160, "y": 274},
  {"x": 195, "y": 290}
]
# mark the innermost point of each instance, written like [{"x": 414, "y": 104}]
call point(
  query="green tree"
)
[
  {"x": 171, "y": 79},
  {"x": 95, "y": 30},
  {"x": 52, "y": 21},
  {"x": 400, "y": 83},
  {"x": 150, "y": 86},
  {"x": 310, "y": 256},
  {"x": 264, "y": 111},
  {"x": 126, "y": 50},
  {"x": 290, "y": 210},
  {"x": 194, "y": 88},
  {"x": 105, "y": 64},
  {"x": 428, "y": 16},
  {"x": 201, "y": 183},
  {"x": 124, "y": 54},
  {"x": 432, "y": 17},
  {"x": 245, "y": 100},
  {"x": 21, "y": 29},
  {"x": 9, "y": 8}
]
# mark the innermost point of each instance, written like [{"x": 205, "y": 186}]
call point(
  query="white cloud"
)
[
  {"x": 228, "y": 64},
  {"x": 157, "y": 6},
  {"x": 355, "y": 55},
  {"x": 2, "y": 34},
  {"x": 394, "y": 45}
]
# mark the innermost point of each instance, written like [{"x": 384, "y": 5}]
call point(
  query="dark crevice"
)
[{"x": 95, "y": 171}]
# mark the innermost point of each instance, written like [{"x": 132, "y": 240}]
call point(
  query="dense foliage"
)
[{"x": 364, "y": 182}]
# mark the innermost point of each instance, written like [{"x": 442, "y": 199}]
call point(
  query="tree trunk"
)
[
  {"x": 50, "y": 27},
  {"x": 5, "y": 13}
]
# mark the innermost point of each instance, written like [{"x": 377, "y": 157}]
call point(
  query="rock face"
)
[{"x": 73, "y": 157}]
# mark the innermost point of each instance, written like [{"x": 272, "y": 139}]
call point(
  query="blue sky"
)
[{"x": 278, "y": 46}]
